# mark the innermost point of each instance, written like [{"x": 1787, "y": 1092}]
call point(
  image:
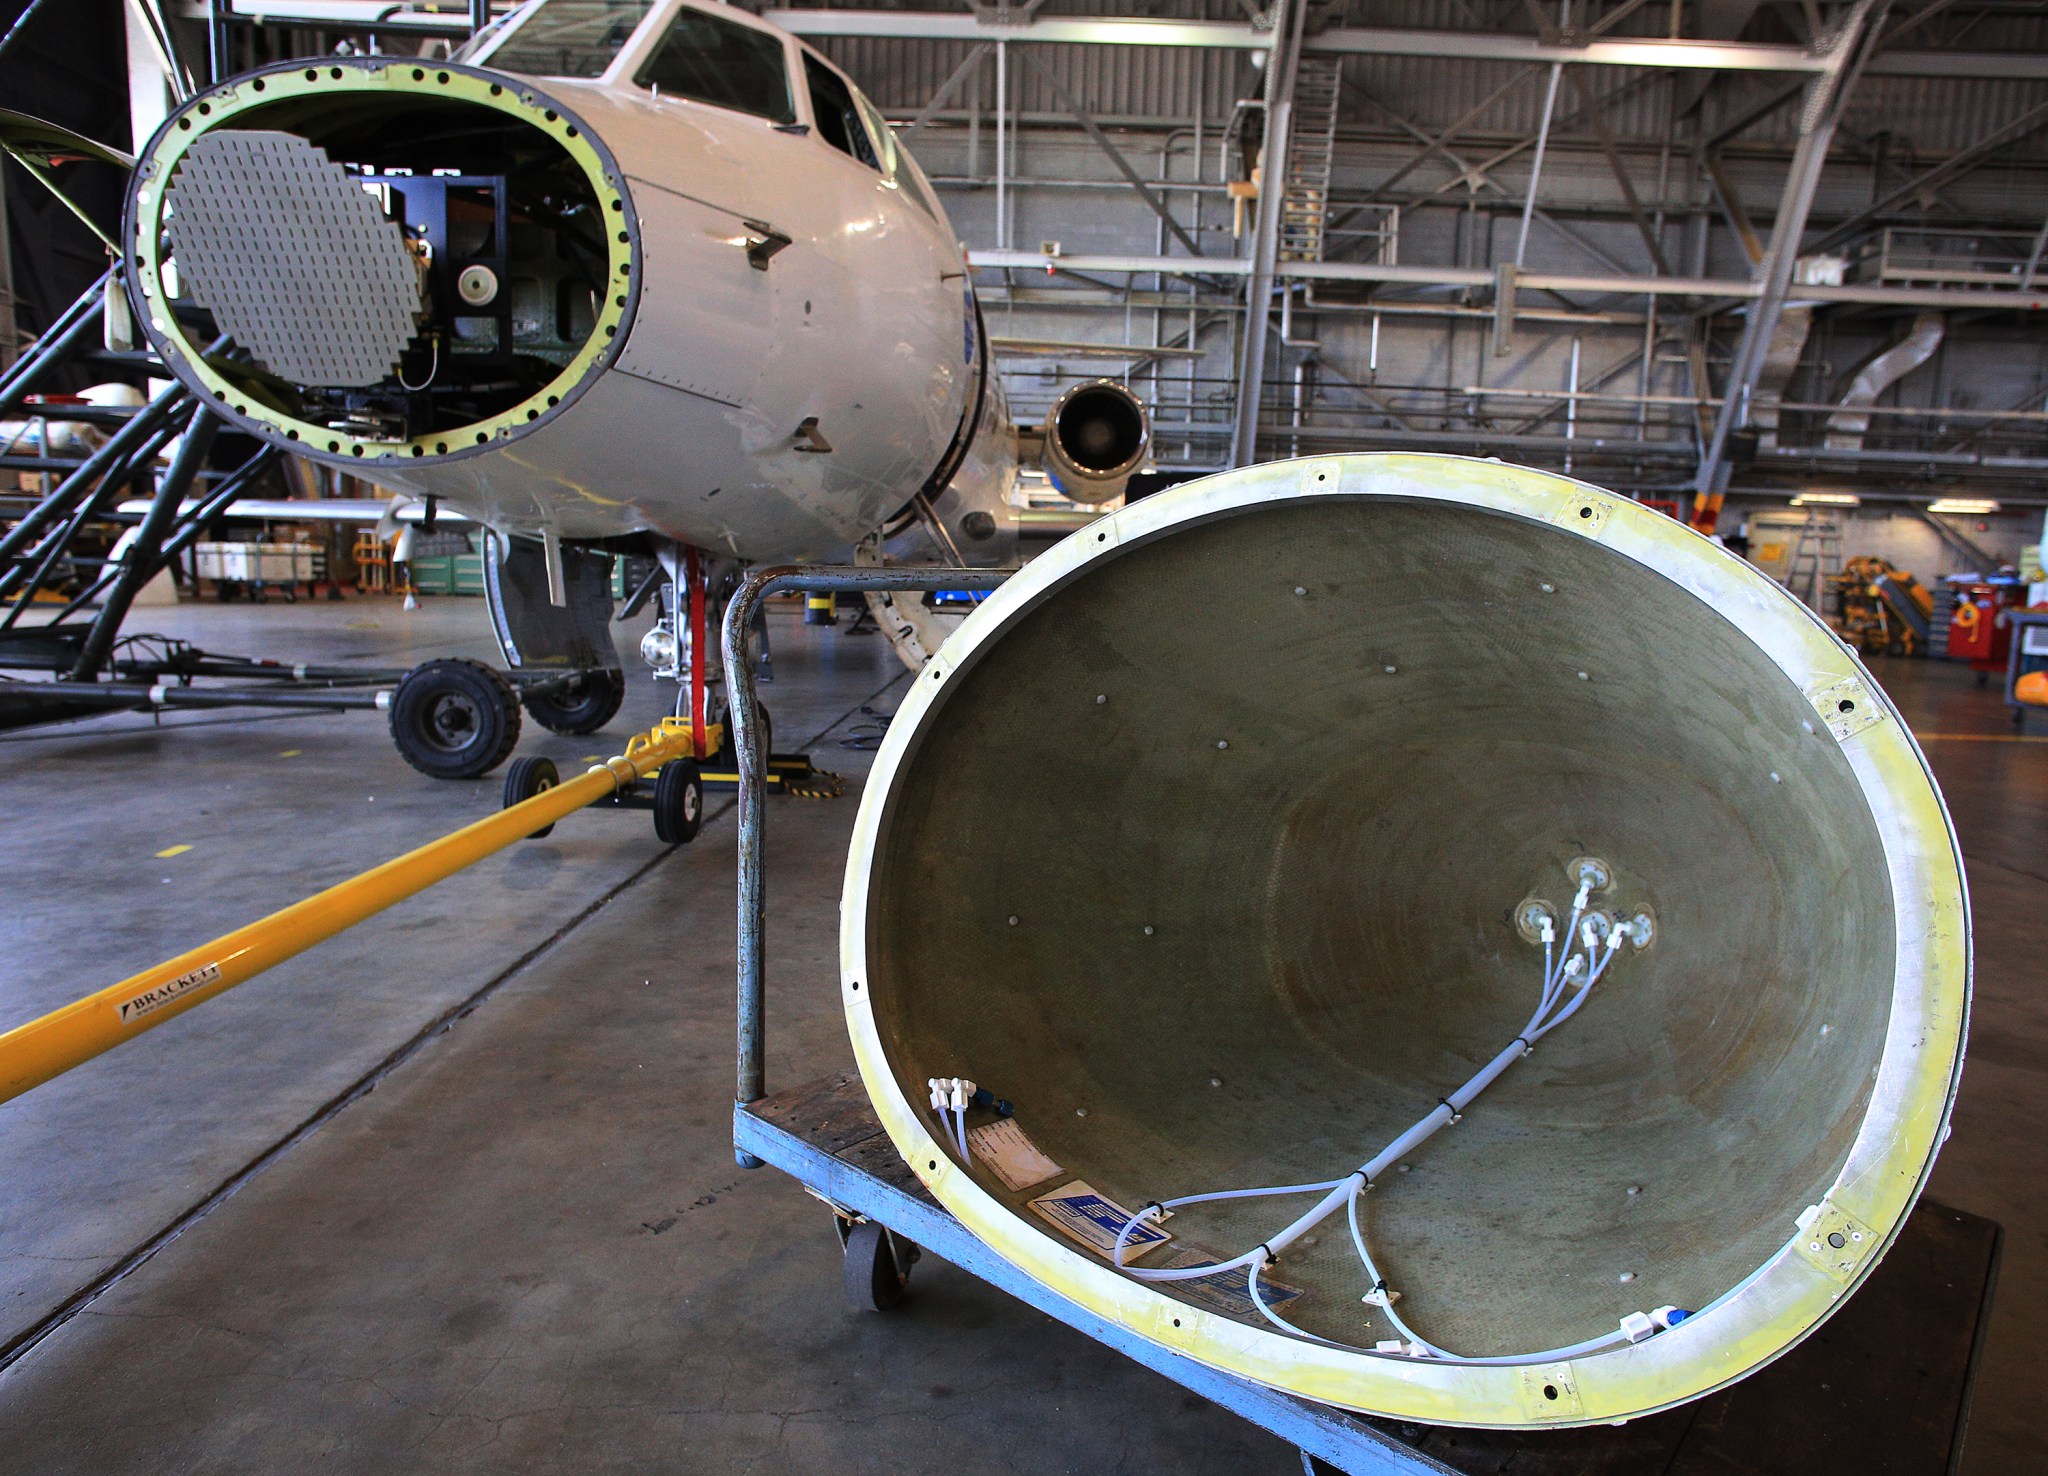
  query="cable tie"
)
[
  {"x": 1267, "y": 1252},
  {"x": 1445, "y": 1103}
]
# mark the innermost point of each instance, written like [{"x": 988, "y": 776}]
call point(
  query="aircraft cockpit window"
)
[
  {"x": 708, "y": 59},
  {"x": 839, "y": 122},
  {"x": 570, "y": 38}
]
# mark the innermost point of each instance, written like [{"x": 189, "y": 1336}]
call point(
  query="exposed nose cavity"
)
[
  {"x": 331, "y": 226},
  {"x": 1095, "y": 437}
]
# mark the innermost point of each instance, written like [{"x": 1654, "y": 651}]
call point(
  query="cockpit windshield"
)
[
  {"x": 709, "y": 59},
  {"x": 569, "y": 38}
]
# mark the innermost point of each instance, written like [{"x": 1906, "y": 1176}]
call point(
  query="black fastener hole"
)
[
  {"x": 312, "y": 74},
  {"x": 419, "y": 74},
  {"x": 1550, "y": 1391},
  {"x": 335, "y": 73},
  {"x": 1585, "y": 512},
  {"x": 1837, "y": 1239},
  {"x": 496, "y": 90},
  {"x": 856, "y": 986},
  {"x": 442, "y": 78},
  {"x": 1176, "y": 1322},
  {"x": 257, "y": 84},
  {"x": 1845, "y": 705},
  {"x": 935, "y": 1164}
]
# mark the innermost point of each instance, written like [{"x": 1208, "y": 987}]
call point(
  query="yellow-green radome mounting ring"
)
[
  {"x": 1266, "y": 834},
  {"x": 305, "y": 94}
]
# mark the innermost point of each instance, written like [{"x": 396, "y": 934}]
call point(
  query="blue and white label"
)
[
  {"x": 1095, "y": 1220},
  {"x": 1227, "y": 1292}
]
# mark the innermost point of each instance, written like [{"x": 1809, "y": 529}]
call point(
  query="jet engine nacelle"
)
[
  {"x": 1490, "y": 957},
  {"x": 1094, "y": 439}
]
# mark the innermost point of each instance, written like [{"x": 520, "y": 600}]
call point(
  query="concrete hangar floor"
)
[{"x": 527, "y": 1249}]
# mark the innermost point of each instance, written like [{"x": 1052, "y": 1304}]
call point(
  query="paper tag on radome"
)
[
  {"x": 1079, "y": 1213},
  {"x": 1010, "y": 1155}
]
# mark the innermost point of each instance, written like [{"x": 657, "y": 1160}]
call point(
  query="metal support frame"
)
[
  {"x": 1123, "y": 166},
  {"x": 740, "y": 611},
  {"x": 1597, "y": 116},
  {"x": 145, "y": 555},
  {"x": 1825, "y": 103},
  {"x": 1949, "y": 170},
  {"x": 1288, "y": 16}
]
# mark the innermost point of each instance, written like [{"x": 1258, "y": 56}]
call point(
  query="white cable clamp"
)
[
  {"x": 1381, "y": 1296},
  {"x": 1637, "y": 1326}
]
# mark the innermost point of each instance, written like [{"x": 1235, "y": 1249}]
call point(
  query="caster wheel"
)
[
  {"x": 878, "y": 1266},
  {"x": 678, "y": 802},
  {"x": 526, "y": 778},
  {"x": 584, "y": 706},
  {"x": 454, "y": 719}
]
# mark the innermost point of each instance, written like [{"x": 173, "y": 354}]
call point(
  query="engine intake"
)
[{"x": 1095, "y": 437}]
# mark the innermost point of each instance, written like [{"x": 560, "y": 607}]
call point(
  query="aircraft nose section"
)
[{"x": 373, "y": 261}]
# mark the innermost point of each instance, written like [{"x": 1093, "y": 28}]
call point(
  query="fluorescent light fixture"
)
[
  {"x": 1827, "y": 499},
  {"x": 1962, "y": 505}
]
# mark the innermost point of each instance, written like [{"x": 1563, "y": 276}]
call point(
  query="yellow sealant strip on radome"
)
[
  {"x": 159, "y": 165},
  {"x": 1786, "y": 1297}
]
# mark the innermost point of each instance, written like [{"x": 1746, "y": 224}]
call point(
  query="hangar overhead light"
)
[
  {"x": 1962, "y": 505},
  {"x": 1827, "y": 499}
]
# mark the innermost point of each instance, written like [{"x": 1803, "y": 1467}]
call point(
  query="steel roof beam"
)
[
  {"x": 1732, "y": 289},
  {"x": 1654, "y": 52}
]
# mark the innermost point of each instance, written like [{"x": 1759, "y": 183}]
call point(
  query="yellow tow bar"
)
[{"x": 33, "y": 1053}]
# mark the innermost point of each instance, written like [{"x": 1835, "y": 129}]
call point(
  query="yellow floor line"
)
[{"x": 169, "y": 851}]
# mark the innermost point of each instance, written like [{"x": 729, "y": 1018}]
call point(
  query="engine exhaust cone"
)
[{"x": 1224, "y": 841}]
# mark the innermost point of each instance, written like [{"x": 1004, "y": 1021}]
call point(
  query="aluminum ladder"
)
[
  {"x": 1814, "y": 556},
  {"x": 1305, "y": 196}
]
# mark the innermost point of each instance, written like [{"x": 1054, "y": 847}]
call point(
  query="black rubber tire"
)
[
  {"x": 678, "y": 802},
  {"x": 526, "y": 778},
  {"x": 582, "y": 708},
  {"x": 876, "y": 1270},
  {"x": 454, "y": 719}
]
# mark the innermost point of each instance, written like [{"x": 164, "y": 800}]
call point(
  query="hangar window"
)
[
  {"x": 708, "y": 59},
  {"x": 838, "y": 117},
  {"x": 570, "y": 38}
]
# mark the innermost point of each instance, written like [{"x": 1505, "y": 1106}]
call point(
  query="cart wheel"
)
[
  {"x": 454, "y": 719},
  {"x": 589, "y": 702},
  {"x": 678, "y": 802},
  {"x": 877, "y": 1267},
  {"x": 526, "y": 778}
]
